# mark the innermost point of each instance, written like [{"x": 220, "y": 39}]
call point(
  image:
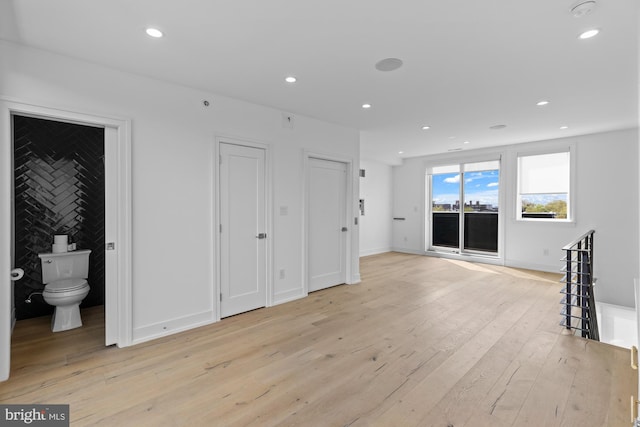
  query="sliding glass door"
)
[
  {"x": 465, "y": 207},
  {"x": 445, "y": 206}
]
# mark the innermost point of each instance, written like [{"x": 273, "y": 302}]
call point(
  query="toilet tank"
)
[{"x": 66, "y": 265}]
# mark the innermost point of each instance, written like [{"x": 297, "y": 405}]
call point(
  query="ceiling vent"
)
[
  {"x": 388, "y": 64},
  {"x": 583, "y": 8}
]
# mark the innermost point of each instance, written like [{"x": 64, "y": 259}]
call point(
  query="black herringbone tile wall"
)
[{"x": 59, "y": 189}]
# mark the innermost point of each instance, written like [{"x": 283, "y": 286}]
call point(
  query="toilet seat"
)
[{"x": 65, "y": 285}]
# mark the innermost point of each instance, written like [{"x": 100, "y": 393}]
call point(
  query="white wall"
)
[
  {"x": 173, "y": 174},
  {"x": 375, "y": 225},
  {"x": 408, "y": 206},
  {"x": 606, "y": 200}
]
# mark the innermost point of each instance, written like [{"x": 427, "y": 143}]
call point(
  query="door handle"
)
[
  {"x": 261, "y": 236},
  {"x": 16, "y": 274},
  {"x": 344, "y": 229}
]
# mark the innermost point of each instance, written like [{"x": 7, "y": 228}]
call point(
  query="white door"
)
[
  {"x": 327, "y": 238},
  {"x": 111, "y": 236},
  {"x": 637, "y": 398},
  {"x": 6, "y": 254},
  {"x": 243, "y": 247},
  {"x": 7, "y": 276}
]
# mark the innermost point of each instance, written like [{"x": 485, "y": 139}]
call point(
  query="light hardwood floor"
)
[{"x": 421, "y": 341}]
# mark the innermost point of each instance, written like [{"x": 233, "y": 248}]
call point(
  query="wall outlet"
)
[
  {"x": 545, "y": 252},
  {"x": 282, "y": 274}
]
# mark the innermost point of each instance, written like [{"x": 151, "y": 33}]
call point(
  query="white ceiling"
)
[{"x": 468, "y": 64}]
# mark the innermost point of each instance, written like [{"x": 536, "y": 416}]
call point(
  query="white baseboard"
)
[
  {"x": 173, "y": 326},
  {"x": 467, "y": 257},
  {"x": 532, "y": 266},
  {"x": 288, "y": 296},
  {"x": 407, "y": 251},
  {"x": 368, "y": 252}
]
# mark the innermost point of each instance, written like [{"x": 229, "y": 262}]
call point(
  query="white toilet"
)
[{"x": 65, "y": 276}]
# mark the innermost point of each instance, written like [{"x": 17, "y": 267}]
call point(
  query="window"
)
[{"x": 544, "y": 182}]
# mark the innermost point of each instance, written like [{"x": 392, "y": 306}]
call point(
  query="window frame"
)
[
  {"x": 460, "y": 162},
  {"x": 571, "y": 205}
]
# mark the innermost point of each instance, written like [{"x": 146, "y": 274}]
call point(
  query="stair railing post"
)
[
  {"x": 580, "y": 282},
  {"x": 568, "y": 295},
  {"x": 593, "y": 320}
]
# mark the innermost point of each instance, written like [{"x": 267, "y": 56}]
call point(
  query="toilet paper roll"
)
[
  {"x": 59, "y": 248},
  {"x": 61, "y": 239}
]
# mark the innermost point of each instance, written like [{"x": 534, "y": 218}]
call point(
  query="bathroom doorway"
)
[
  {"x": 59, "y": 188},
  {"x": 116, "y": 196}
]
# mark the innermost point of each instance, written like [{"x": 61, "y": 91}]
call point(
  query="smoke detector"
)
[{"x": 583, "y": 8}]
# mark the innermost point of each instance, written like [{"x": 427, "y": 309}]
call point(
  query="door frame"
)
[
  {"x": 349, "y": 214},
  {"x": 116, "y": 129},
  {"x": 217, "y": 239}
]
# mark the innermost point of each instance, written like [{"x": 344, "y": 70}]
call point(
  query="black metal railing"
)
[
  {"x": 480, "y": 230},
  {"x": 579, "y": 305}
]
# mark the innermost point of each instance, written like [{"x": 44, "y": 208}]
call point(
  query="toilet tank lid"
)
[{"x": 52, "y": 255}]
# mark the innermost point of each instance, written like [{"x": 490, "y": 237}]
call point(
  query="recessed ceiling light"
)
[
  {"x": 400, "y": 152},
  {"x": 426, "y": 127},
  {"x": 541, "y": 103},
  {"x": 589, "y": 33},
  {"x": 466, "y": 142},
  {"x": 366, "y": 106},
  {"x": 290, "y": 79},
  {"x": 564, "y": 127},
  {"x": 154, "y": 32}
]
